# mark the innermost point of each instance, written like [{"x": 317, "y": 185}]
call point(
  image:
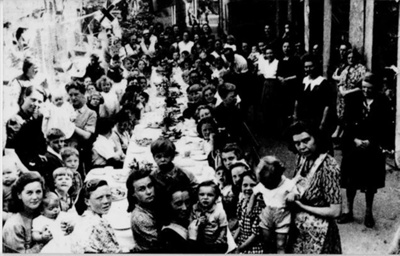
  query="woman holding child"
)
[
  {"x": 27, "y": 195},
  {"x": 317, "y": 175}
]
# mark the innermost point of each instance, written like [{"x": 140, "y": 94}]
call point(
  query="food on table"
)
[{"x": 118, "y": 193}]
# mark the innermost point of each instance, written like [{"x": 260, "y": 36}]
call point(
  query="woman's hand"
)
[
  {"x": 193, "y": 230},
  {"x": 66, "y": 227},
  {"x": 46, "y": 235}
]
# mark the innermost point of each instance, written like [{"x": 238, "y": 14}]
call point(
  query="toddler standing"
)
[
  {"x": 276, "y": 190},
  {"x": 62, "y": 183},
  {"x": 211, "y": 220}
]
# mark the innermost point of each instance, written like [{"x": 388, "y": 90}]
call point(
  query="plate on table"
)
[
  {"x": 144, "y": 142},
  {"x": 138, "y": 150},
  {"x": 98, "y": 171},
  {"x": 199, "y": 157},
  {"x": 118, "y": 193},
  {"x": 120, "y": 176}
]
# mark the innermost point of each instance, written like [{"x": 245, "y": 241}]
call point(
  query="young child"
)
[
  {"x": 248, "y": 236},
  {"x": 224, "y": 183},
  {"x": 59, "y": 114},
  {"x": 276, "y": 191},
  {"x": 163, "y": 151},
  {"x": 206, "y": 129},
  {"x": 142, "y": 105},
  {"x": 62, "y": 184},
  {"x": 111, "y": 103},
  {"x": 105, "y": 151},
  {"x": 120, "y": 133},
  {"x": 46, "y": 228},
  {"x": 70, "y": 158},
  {"x": 55, "y": 139},
  {"x": 211, "y": 220},
  {"x": 10, "y": 175},
  {"x": 254, "y": 55}
]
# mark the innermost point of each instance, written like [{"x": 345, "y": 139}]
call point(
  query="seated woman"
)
[
  {"x": 92, "y": 232},
  {"x": 174, "y": 235},
  {"x": 27, "y": 196},
  {"x": 104, "y": 151},
  {"x": 142, "y": 205}
]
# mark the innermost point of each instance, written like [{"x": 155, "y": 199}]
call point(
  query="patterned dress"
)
[
  {"x": 312, "y": 234},
  {"x": 350, "y": 78},
  {"x": 249, "y": 224},
  {"x": 93, "y": 234}
]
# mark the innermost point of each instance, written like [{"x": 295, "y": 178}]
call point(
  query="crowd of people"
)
[{"x": 53, "y": 139}]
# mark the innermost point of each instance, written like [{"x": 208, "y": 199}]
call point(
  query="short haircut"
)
[
  {"x": 30, "y": 89},
  {"x": 210, "y": 183},
  {"x": 321, "y": 140},
  {"x": 122, "y": 117},
  {"x": 240, "y": 164},
  {"x": 194, "y": 88},
  {"x": 63, "y": 171},
  {"x": 201, "y": 107},
  {"x": 68, "y": 151},
  {"x": 145, "y": 95},
  {"x": 88, "y": 187},
  {"x": 225, "y": 88},
  {"x": 162, "y": 145},
  {"x": 101, "y": 80},
  {"x": 308, "y": 58},
  {"x": 233, "y": 147},
  {"x": 207, "y": 120},
  {"x": 104, "y": 126},
  {"x": 209, "y": 87},
  {"x": 49, "y": 197},
  {"x": 54, "y": 133},
  {"x": 250, "y": 174},
  {"x": 27, "y": 64},
  {"x": 270, "y": 164},
  {"x": 75, "y": 85}
]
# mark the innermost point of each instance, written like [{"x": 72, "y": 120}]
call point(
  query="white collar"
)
[
  {"x": 307, "y": 81},
  {"x": 54, "y": 152}
]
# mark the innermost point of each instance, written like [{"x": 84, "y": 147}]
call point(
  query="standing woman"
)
[
  {"x": 271, "y": 89},
  {"x": 365, "y": 134},
  {"x": 349, "y": 88},
  {"x": 93, "y": 233},
  {"x": 27, "y": 196},
  {"x": 314, "y": 230},
  {"x": 142, "y": 205},
  {"x": 15, "y": 90}
]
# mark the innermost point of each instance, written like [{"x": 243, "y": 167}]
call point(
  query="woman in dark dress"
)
[
  {"x": 174, "y": 235},
  {"x": 365, "y": 134}
]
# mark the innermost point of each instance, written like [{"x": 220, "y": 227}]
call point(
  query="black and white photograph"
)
[{"x": 200, "y": 126}]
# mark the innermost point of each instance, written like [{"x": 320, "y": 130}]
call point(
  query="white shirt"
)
[
  {"x": 111, "y": 104},
  {"x": 307, "y": 81},
  {"x": 185, "y": 46},
  {"x": 266, "y": 68},
  {"x": 103, "y": 149},
  {"x": 276, "y": 197}
]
